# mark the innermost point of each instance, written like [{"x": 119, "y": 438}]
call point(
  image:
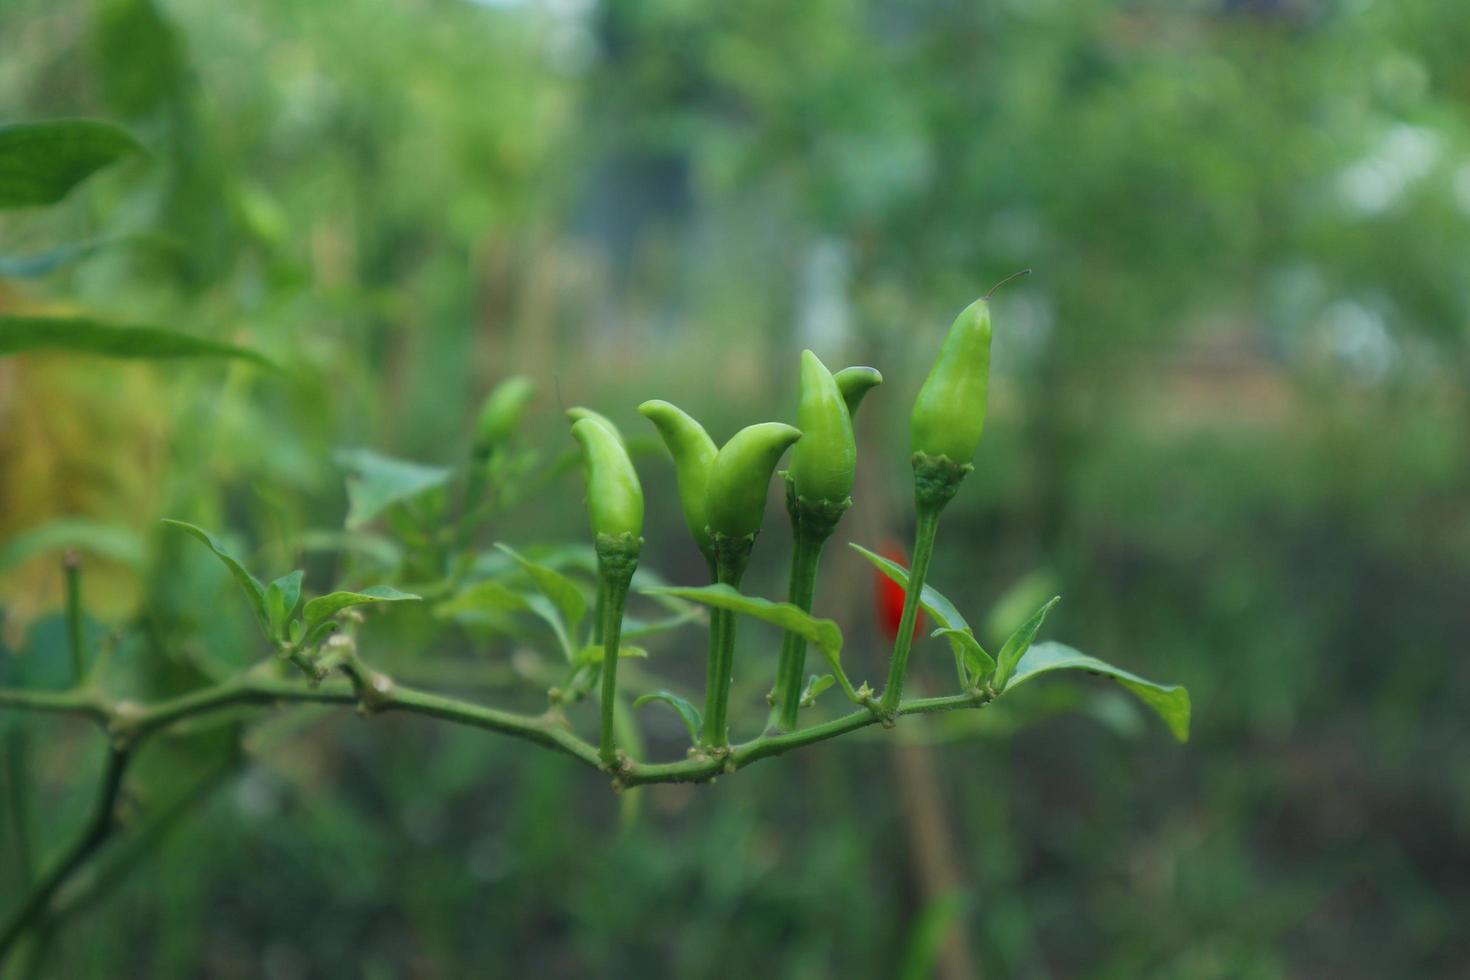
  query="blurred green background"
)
[{"x": 1229, "y": 424}]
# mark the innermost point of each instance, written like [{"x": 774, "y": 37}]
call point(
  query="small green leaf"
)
[
  {"x": 1170, "y": 702},
  {"x": 324, "y": 607},
  {"x": 1019, "y": 643},
  {"x": 562, "y": 591},
  {"x": 41, "y": 162},
  {"x": 316, "y": 634},
  {"x": 592, "y": 654},
  {"x": 940, "y": 609},
  {"x": 822, "y": 633},
  {"x": 376, "y": 482},
  {"x": 254, "y": 591},
  {"x": 82, "y": 335},
  {"x": 281, "y": 597},
  {"x": 980, "y": 663},
  {"x": 688, "y": 712},
  {"x": 814, "y": 688}
]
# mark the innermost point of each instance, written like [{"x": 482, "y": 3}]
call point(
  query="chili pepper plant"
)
[{"x": 435, "y": 520}]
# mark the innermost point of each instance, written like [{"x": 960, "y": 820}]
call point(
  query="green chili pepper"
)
[
  {"x": 614, "y": 496},
  {"x": 823, "y": 461},
  {"x": 694, "y": 456},
  {"x": 949, "y": 413},
  {"x": 854, "y": 383},
  {"x": 740, "y": 478},
  {"x": 576, "y": 413},
  {"x": 501, "y": 412},
  {"x": 818, "y": 492}
]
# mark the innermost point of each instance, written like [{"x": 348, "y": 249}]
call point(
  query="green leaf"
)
[
  {"x": 688, "y": 712},
  {"x": 41, "y": 162},
  {"x": 254, "y": 591},
  {"x": 1170, "y": 702},
  {"x": 281, "y": 597},
  {"x": 1019, "y": 643},
  {"x": 492, "y": 597},
  {"x": 592, "y": 653},
  {"x": 814, "y": 688},
  {"x": 937, "y": 606},
  {"x": 562, "y": 591},
  {"x": 941, "y": 610},
  {"x": 980, "y": 663},
  {"x": 381, "y": 551},
  {"x": 112, "y": 541},
  {"x": 324, "y": 607},
  {"x": 635, "y": 628},
  {"x": 487, "y": 596},
  {"x": 376, "y": 482},
  {"x": 82, "y": 335},
  {"x": 822, "y": 633}
]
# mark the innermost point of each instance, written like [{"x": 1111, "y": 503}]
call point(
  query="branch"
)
[
  {"x": 706, "y": 767},
  {"x": 102, "y": 822},
  {"x": 128, "y": 722}
]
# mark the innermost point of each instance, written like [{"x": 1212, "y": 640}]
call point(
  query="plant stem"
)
[
  {"x": 73, "y": 572},
  {"x": 133, "y": 723},
  {"x": 124, "y": 856},
  {"x": 616, "y": 589},
  {"x": 731, "y": 557},
  {"x": 924, "y": 532},
  {"x": 717, "y": 677},
  {"x": 701, "y": 769},
  {"x": 98, "y": 827},
  {"x": 806, "y": 554}
]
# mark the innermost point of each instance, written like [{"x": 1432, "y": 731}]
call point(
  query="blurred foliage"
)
[{"x": 1230, "y": 425}]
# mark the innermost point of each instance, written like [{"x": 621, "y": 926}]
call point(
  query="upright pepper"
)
[
  {"x": 944, "y": 432},
  {"x": 501, "y": 412},
  {"x": 615, "y": 510},
  {"x": 723, "y": 493},
  {"x": 949, "y": 413},
  {"x": 823, "y": 462},
  {"x": 818, "y": 492}
]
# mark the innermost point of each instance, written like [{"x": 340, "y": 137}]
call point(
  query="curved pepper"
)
[
  {"x": 735, "y": 502},
  {"x": 694, "y": 456},
  {"x": 854, "y": 383},
  {"x": 576, "y": 413},
  {"x": 614, "y": 496}
]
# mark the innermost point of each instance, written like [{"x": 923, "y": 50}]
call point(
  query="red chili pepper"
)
[{"x": 889, "y": 596}]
